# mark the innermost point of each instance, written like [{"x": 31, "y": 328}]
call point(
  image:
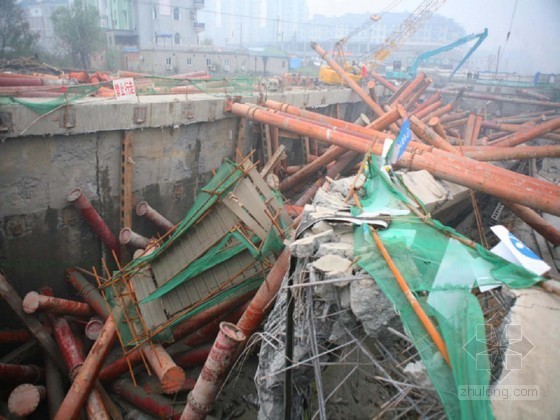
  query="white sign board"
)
[
  {"x": 124, "y": 88},
  {"x": 513, "y": 250}
]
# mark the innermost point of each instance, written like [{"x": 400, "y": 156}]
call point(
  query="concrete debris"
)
[{"x": 195, "y": 298}]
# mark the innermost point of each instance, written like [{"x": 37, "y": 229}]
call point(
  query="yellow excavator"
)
[{"x": 328, "y": 75}]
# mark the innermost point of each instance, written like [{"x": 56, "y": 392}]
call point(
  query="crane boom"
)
[
  {"x": 408, "y": 27},
  {"x": 480, "y": 37}
]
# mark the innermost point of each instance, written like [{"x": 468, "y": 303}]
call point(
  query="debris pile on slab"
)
[{"x": 375, "y": 303}]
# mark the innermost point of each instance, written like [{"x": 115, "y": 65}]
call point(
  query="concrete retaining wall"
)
[{"x": 175, "y": 149}]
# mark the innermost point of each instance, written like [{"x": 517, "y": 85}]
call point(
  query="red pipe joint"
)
[
  {"x": 93, "y": 218},
  {"x": 144, "y": 209},
  {"x": 128, "y": 237},
  {"x": 35, "y": 302},
  {"x": 220, "y": 359},
  {"x": 25, "y": 399}
]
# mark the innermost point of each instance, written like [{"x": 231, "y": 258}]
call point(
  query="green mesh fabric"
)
[
  {"x": 441, "y": 272},
  {"x": 232, "y": 244},
  {"x": 42, "y": 106}
]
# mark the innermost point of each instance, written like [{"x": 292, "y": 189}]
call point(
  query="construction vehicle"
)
[
  {"x": 327, "y": 74},
  {"x": 411, "y": 72},
  {"x": 406, "y": 29}
]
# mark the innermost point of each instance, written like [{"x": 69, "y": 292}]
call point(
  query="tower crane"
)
[{"x": 406, "y": 29}]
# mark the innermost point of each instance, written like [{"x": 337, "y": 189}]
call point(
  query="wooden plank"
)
[
  {"x": 236, "y": 207},
  {"x": 127, "y": 173}
]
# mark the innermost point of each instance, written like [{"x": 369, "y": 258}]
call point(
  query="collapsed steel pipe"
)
[
  {"x": 128, "y": 237},
  {"x": 88, "y": 292},
  {"x": 119, "y": 367},
  {"x": 386, "y": 83},
  {"x": 407, "y": 92},
  {"x": 37, "y": 330},
  {"x": 169, "y": 374},
  {"x": 537, "y": 222},
  {"x": 25, "y": 399},
  {"x": 193, "y": 357},
  {"x": 93, "y": 328},
  {"x": 69, "y": 347},
  {"x": 489, "y": 153},
  {"x": 479, "y": 176},
  {"x": 18, "y": 374},
  {"x": 143, "y": 209},
  {"x": 35, "y": 302},
  {"x": 333, "y": 153},
  {"x": 93, "y": 218},
  {"x": 221, "y": 358},
  {"x": 347, "y": 79},
  {"x": 155, "y": 404},
  {"x": 333, "y": 170},
  {"x": 14, "y": 336},
  {"x": 513, "y": 100},
  {"x": 520, "y": 137},
  {"x": 427, "y": 102},
  {"x": 439, "y": 111},
  {"x": 87, "y": 375}
]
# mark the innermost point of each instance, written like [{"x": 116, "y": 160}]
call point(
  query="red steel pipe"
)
[
  {"x": 88, "y": 292},
  {"x": 523, "y": 136},
  {"x": 143, "y": 209},
  {"x": 87, "y": 375},
  {"x": 193, "y": 357},
  {"x": 428, "y": 135},
  {"x": 413, "y": 100},
  {"x": 340, "y": 164},
  {"x": 128, "y": 237},
  {"x": 349, "y": 81},
  {"x": 489, "y": 153},
  {"x": 383, "y": 81},
  {"x": 93, "y": 218},
  {"x": 426, "y": 111},
  {"x": 255, "y": 313},
  {"x": 119, "y": 367},
  {"x": 412, "y": 86},
  {"x": 69, "y": 347},
  {"x": 440, "y": 111},
  {"x": 513, "y": 100},
  {"x": 34, "y": 302},
  {"x": 333, "y": 153},
  {"x": 14, "y": 336},
  {"x": 169, "y": 374},
  {"x": 476, "y": 175},
  {"x": 429, "y": 100},
  {"x": 537, "y": 222},
  {"x": 155, "y": 404},
  {"x": 221, "y": 358},
  {"x": 390, "y": 117},
  {"x": 25, "y": 399},
  {"x": 11, "y": 373},
  {"x": 520, "y": 137}
]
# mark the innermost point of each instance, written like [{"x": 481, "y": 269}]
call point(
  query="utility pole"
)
[{"x": 241, "y": 35}]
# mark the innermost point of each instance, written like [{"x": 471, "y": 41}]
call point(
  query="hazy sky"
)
[{"x": 534, "y": 43}]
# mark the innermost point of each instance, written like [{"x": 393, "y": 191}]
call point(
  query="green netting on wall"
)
[
  {"x": 232, "y": 244},
  {"x": 441, "y": 271},
  {"x": 42, "y": 106}
]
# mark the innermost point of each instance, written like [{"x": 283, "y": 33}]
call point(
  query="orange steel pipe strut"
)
[
  {"x": 479, "y": 176},
  {"x": 86, "y": 377},
  {"x": 349, "y": 81}
]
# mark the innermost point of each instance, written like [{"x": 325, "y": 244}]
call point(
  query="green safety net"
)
[
  {"x": 232, "y": 244},
  {"x": 441, "y": 271},
  {"x": 42, "y": 106}
]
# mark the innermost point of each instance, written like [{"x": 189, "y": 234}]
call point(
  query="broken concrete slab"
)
[
  {"x": 308, "y": 245},
  {"x": 370, "y": 306},
  {"x": 334, "y": 266}
]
